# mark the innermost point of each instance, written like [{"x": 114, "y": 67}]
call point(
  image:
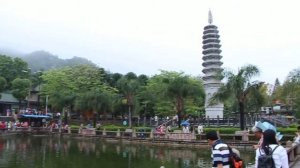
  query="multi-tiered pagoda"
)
[{"x": 212, "y": 67}]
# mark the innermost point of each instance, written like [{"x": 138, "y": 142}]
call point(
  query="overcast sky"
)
[{"x": 144, "y": 36}]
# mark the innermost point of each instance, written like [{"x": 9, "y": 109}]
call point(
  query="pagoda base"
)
[{"x": 214, "y": 111}]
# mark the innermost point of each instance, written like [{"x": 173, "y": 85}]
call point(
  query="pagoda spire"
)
[{"x": 210, "y": 18}]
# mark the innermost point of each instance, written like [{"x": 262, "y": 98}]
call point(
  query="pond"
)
[{"x": 65, "y": 152}]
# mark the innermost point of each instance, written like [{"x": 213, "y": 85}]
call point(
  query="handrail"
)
[{"x": 293, "y": 154}]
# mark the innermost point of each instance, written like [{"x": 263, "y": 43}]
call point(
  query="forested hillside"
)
[{"x": 42, "y": 60}]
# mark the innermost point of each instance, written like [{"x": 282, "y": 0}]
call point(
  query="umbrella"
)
[
  {"x": 266, "y": 125},
  {"x": 185, "y": 123}
]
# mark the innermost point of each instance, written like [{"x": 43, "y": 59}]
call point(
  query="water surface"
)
[{"x": 65, "y": 152}]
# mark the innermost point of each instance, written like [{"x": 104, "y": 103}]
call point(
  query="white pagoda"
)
[{"x": 211, "y": 67}]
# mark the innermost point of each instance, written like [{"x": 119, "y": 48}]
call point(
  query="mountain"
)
[
  {"x": 11, "y": 52},
  {"x": 43, "y": 61}
]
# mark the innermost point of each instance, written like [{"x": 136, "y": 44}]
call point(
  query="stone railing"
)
[{"x": 293, "y": 152}]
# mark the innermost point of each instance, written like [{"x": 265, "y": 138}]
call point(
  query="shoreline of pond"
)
[{"x": 129, "y": 138}]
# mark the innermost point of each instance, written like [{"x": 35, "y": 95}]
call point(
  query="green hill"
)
[{"x": 42, "y": 60}]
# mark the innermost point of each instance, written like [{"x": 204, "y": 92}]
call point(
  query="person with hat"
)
[
  {"x": 220, "y": 150},
  {"x": 260, "y": 127},
  {"x": 258, "y": 133}
]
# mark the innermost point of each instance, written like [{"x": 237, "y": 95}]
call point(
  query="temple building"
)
[{"x": 211, "y": 67}]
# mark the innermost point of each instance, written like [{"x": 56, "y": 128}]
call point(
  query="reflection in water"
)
[{"x": 63, "y": 152}]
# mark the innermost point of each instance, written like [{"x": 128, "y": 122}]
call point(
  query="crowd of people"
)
[
  {"x": 268, "y": 150},
  {"x": 13, "y": 124}
]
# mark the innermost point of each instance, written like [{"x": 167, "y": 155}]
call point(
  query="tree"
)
[
  {"x": 21, "y": 88},
  {"x": 112, "y": 78},
  {"x": 257, "y": 99},
  {"x": 97, "y": 101},
  {"x": 180, "y": 89},
  {"x": 172, "y": 91},
  {"x": 240, "y": 87},
  {"x": 64, "y": 86},
  {"x": 2, "y": 84},
  {"x": 12, "y": 68},
  {"x": 128, "y": 86},
  {"x": 289, "y": 92},
  {"x": 276, "y": 85}
]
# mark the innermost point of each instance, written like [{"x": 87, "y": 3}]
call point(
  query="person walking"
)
[
  {"x": 220, "y": 150},
  {"x": 271, "y": 147}
]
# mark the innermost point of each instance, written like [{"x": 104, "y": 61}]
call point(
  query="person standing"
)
[
  {"x": 259, "y": 135},
  {"x": 297, "y": 138},
  {"x": 220, "y": 150},
  {"x": 270, "y": 146}
]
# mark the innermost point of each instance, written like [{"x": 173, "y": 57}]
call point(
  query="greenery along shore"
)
[
  {"x": 94, "y": 92},
  {"x": 288, "y": 133}
]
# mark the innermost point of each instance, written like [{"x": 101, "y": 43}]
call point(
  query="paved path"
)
[{"x": 297, "y": 164}]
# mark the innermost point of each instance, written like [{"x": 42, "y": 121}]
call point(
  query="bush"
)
[
  {"x": 74, "y": 126},
  {"x": 123, "y": 128},
  {"x": 144, "y": 129},
  {"x": 287, "y": 131},
  {"x": 112, "y": 128}
]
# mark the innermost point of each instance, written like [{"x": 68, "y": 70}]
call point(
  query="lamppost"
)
[
  {"x": 26, "y": 74},
  {"x": 46, "y": 108}
]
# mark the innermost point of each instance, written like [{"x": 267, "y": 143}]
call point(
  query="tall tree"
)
[
  {"x": 289, "y": 92},
  {"x": 65, "y": 85},
  {"x": 239, "y": 86},
  {"x": 257, "y": 99},
  {"x": 173, "y": 91},
  {"x": 2, "y": 84},
  {"x": 12, "y": 68},
  {"x": 97, "y": 101},
  {"x": 180, "y": 89},
  {"x": 276, "y": 84},
  {"x": 21, "y": 88},
  {"x": 128, "y": 86},
  {"x": 276, "y": 89}
]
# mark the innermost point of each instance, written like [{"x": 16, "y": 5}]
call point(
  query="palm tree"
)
[
  {"x": 128, "y": 86},
  {"x": 239, "y": 86},
  {"x": 179, "y": 89}
]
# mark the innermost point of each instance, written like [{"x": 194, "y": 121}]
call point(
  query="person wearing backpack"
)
[
  {"x": 220, "y": 151},
  {"x": 270, "y": 154}
]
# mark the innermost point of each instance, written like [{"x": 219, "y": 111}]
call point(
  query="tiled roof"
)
[{"x": 8, "y": 97}]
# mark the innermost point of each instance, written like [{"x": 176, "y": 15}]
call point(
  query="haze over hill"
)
[{"x": 43, "y": 60}]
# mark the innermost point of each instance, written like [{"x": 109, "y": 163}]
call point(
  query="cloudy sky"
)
[{"x": 144, "y": 36}]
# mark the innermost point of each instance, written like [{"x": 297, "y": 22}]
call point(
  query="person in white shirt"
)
[
  {"x": 200, "y": 129},
  {"x": 268, "y": 145},
  {"x": 297, "y": 138}
]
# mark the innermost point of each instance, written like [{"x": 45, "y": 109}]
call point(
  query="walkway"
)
[
  {"x": 296, "y": 165},
  {"x": 294, "y": 156}
]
